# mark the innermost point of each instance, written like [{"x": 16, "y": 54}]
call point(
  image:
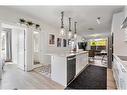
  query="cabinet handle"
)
[{"x": 71, "y": 58}]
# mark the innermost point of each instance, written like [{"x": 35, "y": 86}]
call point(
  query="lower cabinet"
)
[
  {"x": 120, "y": 74},
  {"x": 81, "y": 62}
]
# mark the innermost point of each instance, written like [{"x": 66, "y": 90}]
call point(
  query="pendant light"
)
[
  {"x": 75, "y": 33},
  {"x": 70, "y": 32},
  {"x": 98, "y": 20},
  {"x": 62, "y": 31}
]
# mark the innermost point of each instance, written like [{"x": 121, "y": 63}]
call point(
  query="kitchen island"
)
[{"x": 66, "y": 66}]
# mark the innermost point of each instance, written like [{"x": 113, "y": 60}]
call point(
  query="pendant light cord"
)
[
  {"x": 75, "y": 28},
  {"x": 69, "y": 24},
  {"x": 62, "y": 14}
]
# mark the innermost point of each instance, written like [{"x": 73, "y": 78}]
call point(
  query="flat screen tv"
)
[{"x": 82, "y": 45}]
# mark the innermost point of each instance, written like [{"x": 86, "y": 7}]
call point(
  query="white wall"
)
[
  {"x": 120, "y": 46},
  {"x": 12, "y": 16}
]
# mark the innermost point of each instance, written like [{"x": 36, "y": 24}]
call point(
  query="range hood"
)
[{"x": 124, "y": 24}]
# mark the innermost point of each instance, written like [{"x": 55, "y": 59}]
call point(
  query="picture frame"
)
[
  {"x": 51, "y": 39},
  {"x": 64, "y": 43},
  {"x": 59, "y": 40}
]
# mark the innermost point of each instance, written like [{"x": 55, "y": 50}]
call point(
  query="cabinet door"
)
[
  {"x": 77, "y": 64},
  {"x": 116, "y": 72},
  {"x": 81, "y": 62},
  {"x": 85, "y": 59}
]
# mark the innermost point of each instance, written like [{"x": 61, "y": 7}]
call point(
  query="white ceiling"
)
[{"x": 85, "y": 16}]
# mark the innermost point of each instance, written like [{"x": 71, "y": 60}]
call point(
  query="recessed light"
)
[{"x": 95, "y": 35}]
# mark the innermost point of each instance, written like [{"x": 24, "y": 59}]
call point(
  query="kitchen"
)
[
  {"x": 120, "y": 53},
  {"x": 56, "y": 48}
]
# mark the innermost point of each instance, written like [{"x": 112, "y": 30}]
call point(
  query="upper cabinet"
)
[
  {"x": 119, "y": 43},
  {"x": 124, "y": 24},
  {"x": 125, "y": 11}
]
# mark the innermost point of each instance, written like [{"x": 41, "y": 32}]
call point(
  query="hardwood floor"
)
[
  {"x": 110, "y": 80},
  {"x": 14, "y": 78}
]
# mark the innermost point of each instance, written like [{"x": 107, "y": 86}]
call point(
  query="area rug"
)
[
  {"x": 93, "y": 77},
  {"x": 44, "y": 70}
]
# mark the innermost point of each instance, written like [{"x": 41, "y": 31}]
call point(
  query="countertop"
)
[
  {"x": 123, "y": 58},
  {"x": 65, "y": 54}
]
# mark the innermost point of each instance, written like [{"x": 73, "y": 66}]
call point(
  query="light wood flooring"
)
[
  {"x": 14, "y": 78},
  {"x": 111, "y": 85}
]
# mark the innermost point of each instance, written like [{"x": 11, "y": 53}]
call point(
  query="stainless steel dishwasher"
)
[{"x": 71, "y": 68}]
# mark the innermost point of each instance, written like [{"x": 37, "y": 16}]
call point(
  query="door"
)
[{"x": 21, "y": 49}]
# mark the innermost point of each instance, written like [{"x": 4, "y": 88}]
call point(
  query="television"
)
[{"x": 82, "y": 45}]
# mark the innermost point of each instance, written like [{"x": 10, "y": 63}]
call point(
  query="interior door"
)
[{"x": 21, "y": 49}]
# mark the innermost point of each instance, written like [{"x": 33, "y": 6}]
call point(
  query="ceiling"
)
[{"x": 84, "y": 15}]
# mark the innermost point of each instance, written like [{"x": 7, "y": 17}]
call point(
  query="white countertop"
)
[{"x": 65, "y": 54}]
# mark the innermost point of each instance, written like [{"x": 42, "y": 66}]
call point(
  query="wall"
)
[
  {"x": 120, "y": 46},
  {"x": 13, "y": 16}
]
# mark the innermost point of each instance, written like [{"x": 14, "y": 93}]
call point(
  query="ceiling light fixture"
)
[
  {"x": 70, "y": 32},
  {"x": 75, "y": 34},
  {"x": 98, "y": 20},
  {"x": 62, "y": 31}
]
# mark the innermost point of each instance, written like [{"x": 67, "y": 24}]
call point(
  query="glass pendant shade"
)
[
  {"x": 75, "y": 36},
  {"x": 69, "y": 34},
  {"x": 62, "y": 31}
]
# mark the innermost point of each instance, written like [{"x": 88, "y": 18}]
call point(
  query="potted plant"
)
[
  {"x": 22, "y": 21},
  {"x": 30, "y": 23},
  {"x": 37, "y": 26}
]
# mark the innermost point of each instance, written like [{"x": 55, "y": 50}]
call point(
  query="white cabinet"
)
[
  {"x": 81, "y": 62},
  {"x": 60, "y": 64},
  {"x": 125, "y": 11},
  {"x": 120, "y": 74},
  {"x": 125, "y": 30},
  {"x": 59, "y": 69},
  {"x": 125, "y": 36}
]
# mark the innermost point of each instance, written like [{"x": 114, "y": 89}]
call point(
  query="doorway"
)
[
  {"x": 6, "y": 41},
  {"x": 36, "y": 49},
  {"x": 98, "y": 51},
  {"x": 12, "y": 45}
]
